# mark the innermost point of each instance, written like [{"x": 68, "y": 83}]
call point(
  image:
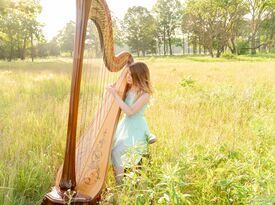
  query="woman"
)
[{"x": 132, "y": 134}]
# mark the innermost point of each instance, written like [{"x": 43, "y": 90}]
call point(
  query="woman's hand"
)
[{"x": 111, "y": 89}]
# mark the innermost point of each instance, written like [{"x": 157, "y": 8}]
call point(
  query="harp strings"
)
[
  {"x": 89, "y": 88},
  {"x": 95, "y": 77}
]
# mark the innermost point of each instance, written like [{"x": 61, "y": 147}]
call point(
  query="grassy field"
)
[{"x": 214, "y": 119}]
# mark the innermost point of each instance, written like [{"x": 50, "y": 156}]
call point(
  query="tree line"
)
[
  {"x": 201, "y": 27},
  {"x": 21, "y": 33},
  {"x": 19, "y": 28},
  {"x": 209, "y": 27}
]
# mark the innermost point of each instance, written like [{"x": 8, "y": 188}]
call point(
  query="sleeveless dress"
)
[{"x": 131, "y": 137}]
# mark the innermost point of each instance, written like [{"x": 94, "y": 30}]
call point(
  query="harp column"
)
[{"x": 68, "y": 179}]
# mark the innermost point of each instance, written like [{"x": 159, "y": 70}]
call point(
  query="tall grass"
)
[{"x": 215, "y": 123}]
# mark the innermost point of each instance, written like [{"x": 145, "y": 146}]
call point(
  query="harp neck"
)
[{"x": 101, "y": 16}]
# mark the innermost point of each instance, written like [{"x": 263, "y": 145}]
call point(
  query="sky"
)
[{"x": 56, "y": 13}]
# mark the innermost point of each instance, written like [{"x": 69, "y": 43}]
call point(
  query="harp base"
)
[{"x": 55, "y": 197}]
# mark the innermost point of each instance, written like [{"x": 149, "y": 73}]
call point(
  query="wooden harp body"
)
[{"x": 81, "y": 183}]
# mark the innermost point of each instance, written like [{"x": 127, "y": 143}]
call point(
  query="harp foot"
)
[{"x": 55, "y": 197}]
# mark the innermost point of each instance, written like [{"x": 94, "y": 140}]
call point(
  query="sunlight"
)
[{"x": 56, "y": 14}]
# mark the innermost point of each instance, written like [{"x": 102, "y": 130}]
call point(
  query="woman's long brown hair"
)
[{"x": 141, "y": 78}]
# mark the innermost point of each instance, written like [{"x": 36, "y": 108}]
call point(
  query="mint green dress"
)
[{"x": 130, "y": 139}]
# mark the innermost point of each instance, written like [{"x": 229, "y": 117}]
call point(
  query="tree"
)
[
  {"x": 10, "y": 28},
  {"x": 238, "y": 33},
  {"x": 258, "y": 9},
  {"x": 214, "y": 22},
  {"x": 119, "y": 36},
  {"x": 168, "y": 16},
  {"x": 3, "y": 6},
  {"x": 30, "y": 10},
  {"x": 19, "y": 27},
  {"x": 268, "y": 29},
  {"x": 53, "y": 47},
  {"x": 140, "y": 30},
  {"x": 92, "y": 43},
  {"x": 184, "y": 27},
  {"x": 66, "y": 38}
]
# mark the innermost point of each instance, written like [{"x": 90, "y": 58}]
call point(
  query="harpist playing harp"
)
[{"x": 83, "y": 173}]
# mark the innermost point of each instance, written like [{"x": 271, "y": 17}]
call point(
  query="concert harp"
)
[{"x": 83, "y": 173}]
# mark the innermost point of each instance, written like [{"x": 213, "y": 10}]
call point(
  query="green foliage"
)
[
  {"x": 187, "y": 82},
  {"x": 19, "y": 28},
  {"x": 53, "y": 47},
  {"x": 259, "y": 10},
  {"x": 228, "y": 55},
  {"x": 66, "y": 37},
  {"x": 140, "y": 30},
  {"x": 242, "y": 46},
  {"x": 119, "y": 34},
  {"x": 93, "y": 47},
  {"x": 168, "y": 17},
  {"x": 214, "y": 22},
  {"x": 3, "y": 6}
]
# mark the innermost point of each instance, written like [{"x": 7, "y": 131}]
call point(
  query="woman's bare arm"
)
[{"x": 129, "y": 110}]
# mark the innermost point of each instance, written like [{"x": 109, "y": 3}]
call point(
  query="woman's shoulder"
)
[
  {"x": 131, "y": 94},
  {"x": 144, "y": 96},
  {"x": 139, "y": 94}
]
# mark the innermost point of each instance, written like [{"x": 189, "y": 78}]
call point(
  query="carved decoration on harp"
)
[{"x": 85, "y": 180}]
